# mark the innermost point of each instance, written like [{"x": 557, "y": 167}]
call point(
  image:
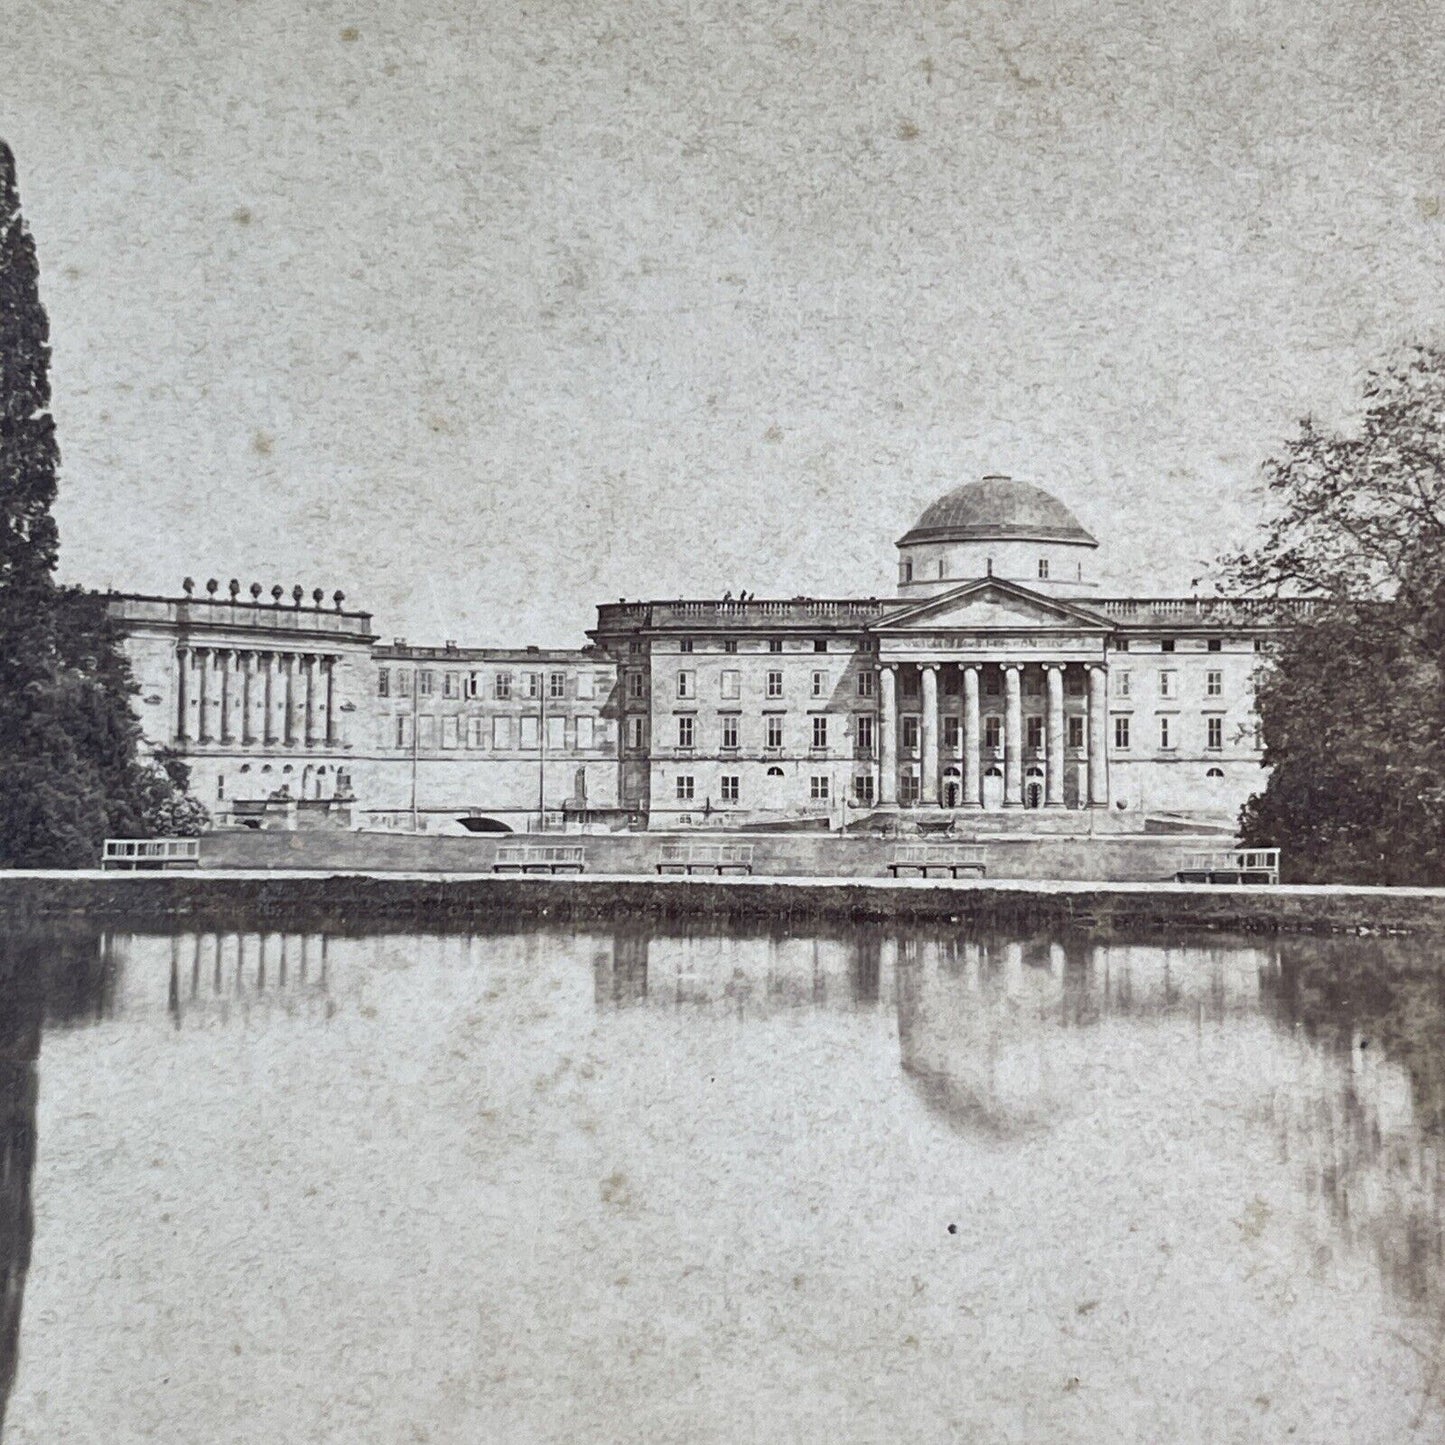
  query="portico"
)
[{"x": 993, "y": 696}]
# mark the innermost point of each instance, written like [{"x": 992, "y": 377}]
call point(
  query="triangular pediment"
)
[{"x": 992, "y": 604}]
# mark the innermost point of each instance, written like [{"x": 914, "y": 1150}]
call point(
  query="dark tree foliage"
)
[
  {"x": 1353, "y": 701},
  {"x": 70, "y": 770}
]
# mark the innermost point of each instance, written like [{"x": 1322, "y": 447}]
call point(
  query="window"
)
[
  {"x": 530, "y": 732},
  {"x": 1034, "y": 732},
  {"x": 451, "y": 684},
  {"x": 383, "y": 683},
  {"x": 1166, "y": 644},
  {"x": 684, "y": 644},
  {"x": 820, "y": 684},
  {"x": 1166, "y": 732},
  {"x": 1213, "y": 684},
  {"x": 1215, "y": 773},
  {"x": 220, "y": 791},
  {"x": 867, "y": 681},
  {"x": 908, "y": 788},
  {"x": 687, "y": 684},
  {"x": 730, "y": 731},
  {"x": 1073, "y": 682},
  {"x": 863, "y": 735},
  {"x": 451, "y": 731},
  {"x": 992, "y": 731},
  {"x": 474, "y": 684},
  {"x": 774, "y": 733},
  {"x": 863, "y": 787},
  {"x": 820, "y": 644},
  {"x": 1215, "y": 738},
  {"x": 818, "y": 788},
  {"x": 425, "y": 682},
  {"x": 403, "y": 682},
  {"x": 532, "y": 682},
  {"x": 635, "y": 685},
  {"x": 557, "y": 734},
  {"x": 951, "y": 733},
  {"x": 635, "y": 733},
  {"x": 730, "y": 644},
  {"x": 586, "y": 732},
  {"x": 910, "y": 733},
  {"x": 501, "y": 732},
  {"x": 476, "y": 732},
  {"x": 1168, "y": 684},
  {"x": 556, "y": 686},
  {"x": 427, "y": 732},
  {"x": 1259, "y": 644},
  {"x": 586, "y": 686},
  {"x": 1121, "y": 732},
  {"x": 1043, "y": 569},
  {"x": 908, "y": 571},
  {"x": 1122, "y": 683},
  {"x": 775, "y": 772},
  {"x": 1076, "y": 732},
  {"x": 686, "y": 729},
  {"x": 1033, "y": 684},
  {"x": 1214, "y": 645},
  {"x": 910, "y": 684},
  {"x": 775, "y": 684},
  {"x": 940, "y": 569},
  {"x": 1121, "y": 644},
  {"x": 634, "y": 647},
  {"x": 820, "y": 732},
  {"x": 684, "y": 788},
  {"x": 502, "y": 686},
  {"x": 775, "y": 644},
  {"x": 729, "y": 783},
  {"x": 992, "y": 683}
]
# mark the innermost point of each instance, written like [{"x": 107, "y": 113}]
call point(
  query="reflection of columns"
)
[
  {"x": 203, "y": 733},
  {"x": 972, "y": 797},
  {"x": 887, "y": 735},
  {"x": 183, "y": 665},
  {"x": 223, "y": 667},
  {"x": 928, "y": 735},
  {"x": 288, "y": 725},
  {"x": 1013, "y": 738},
  {"x": 248, "y": 668},
  {"x": 309, "y": 663},
  {"x": 1098, "y": 761},
  {"x": 268, "y": 698},
  {"x": 330, "y": 666},
  {"x": 1054, "y": 794}
]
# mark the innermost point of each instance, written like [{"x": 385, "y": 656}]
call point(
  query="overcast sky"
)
[{"x": 488, "y": 312}]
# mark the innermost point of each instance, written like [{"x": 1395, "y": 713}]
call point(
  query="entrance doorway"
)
[
  {"x": 952, "y": 792},
  {"x": 993, "y": 789},
  {"x": 1034, "y": 788}
]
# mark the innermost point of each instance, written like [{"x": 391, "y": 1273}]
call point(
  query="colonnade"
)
[
  {"x": 1096, "y": 793},
  {"x": 295, "y": 694}
]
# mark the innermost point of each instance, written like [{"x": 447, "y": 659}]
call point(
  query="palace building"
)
[{"x": 996, "y": 681}]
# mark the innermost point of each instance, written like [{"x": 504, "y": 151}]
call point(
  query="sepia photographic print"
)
[{"x": 722, "y": 722}]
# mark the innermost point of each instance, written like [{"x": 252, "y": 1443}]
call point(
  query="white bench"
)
[
  {"x": 1230, "y": 865},
  {"x": 957, "y": 860},
  {"x": 540, "y": 858},
  {"x": 134, "y": 853},
  {"x": 716, "y": 858}
]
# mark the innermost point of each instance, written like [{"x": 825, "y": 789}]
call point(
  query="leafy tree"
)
[
  {"x": 71, "y": 772},
  {"x": 1352, "y": 704}
]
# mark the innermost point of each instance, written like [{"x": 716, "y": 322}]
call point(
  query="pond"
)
[{"x": 634, "y": 1184}]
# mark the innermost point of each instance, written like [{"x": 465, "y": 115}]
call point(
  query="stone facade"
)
[{"x": 1013, "y": 690}]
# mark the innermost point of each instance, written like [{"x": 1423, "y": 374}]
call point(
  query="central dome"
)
[{"x": 997, "y": 509}]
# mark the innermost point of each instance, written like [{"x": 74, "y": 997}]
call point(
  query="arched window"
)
[
  {"x": 245, "y": 767},
  {"x": 1215, "y": 773},
  {"x": 775, "y": 772},
  {"x": 994, "y": 773}
]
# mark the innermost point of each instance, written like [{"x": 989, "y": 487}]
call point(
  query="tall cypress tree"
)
[{"x": 70, "y": 770}]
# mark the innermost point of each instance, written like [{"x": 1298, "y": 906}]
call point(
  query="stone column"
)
[
  {"x": 203, "y": 731},
  {"x": 288, "y": 721},
  {"x": 1098, "y": 721},
  {"x": 183, "y": 690},
  {"x": 928, "y": 737},
  {"x": 223, "y": 668},
  {"x": 330, "y": 665},
  {"x": 887, "y": 735},
  {"x": 972, "y": 775},
  {"x": 1054, "y": 786},
  {"x": 268, "y": 698},
  {"x": 1013, "y": 737},
  {"x": 247, "y": 661},
  {"x": 309, "y": 663}
]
